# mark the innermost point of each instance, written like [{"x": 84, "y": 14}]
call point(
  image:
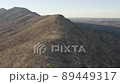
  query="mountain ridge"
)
[{"x": 16, "y": 46}]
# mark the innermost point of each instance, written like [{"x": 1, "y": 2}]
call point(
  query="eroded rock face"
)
[{"x": 17, "y": 43}]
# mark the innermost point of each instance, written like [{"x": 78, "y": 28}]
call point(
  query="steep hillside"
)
[
  {"x": 14, "y": 20},
  {"x": 102, "y": 49},
  {"x": 101, "y": 28},
  {"x": 2, "y": 11}
]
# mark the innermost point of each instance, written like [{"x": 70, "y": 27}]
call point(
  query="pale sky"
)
[{"x": 69, "y": 8}]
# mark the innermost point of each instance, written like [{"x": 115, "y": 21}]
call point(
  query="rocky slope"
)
[{"x": 16, "y": 45}]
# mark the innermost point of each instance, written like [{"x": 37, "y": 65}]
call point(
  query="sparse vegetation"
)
[{"x": 21, "y": 30}]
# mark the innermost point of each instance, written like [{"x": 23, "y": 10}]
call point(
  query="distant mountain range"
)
[
  {"x": 115, "y": 22},
  {"x": 21, "y": 30}
]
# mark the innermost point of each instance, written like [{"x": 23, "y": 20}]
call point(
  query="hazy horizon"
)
[{"x": 70, "y": 9}]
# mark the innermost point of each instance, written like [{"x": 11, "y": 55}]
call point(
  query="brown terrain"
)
[{"x": 21, "y": 29}]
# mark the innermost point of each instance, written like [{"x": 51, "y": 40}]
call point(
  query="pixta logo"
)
[
  {"x": 68, "y": 49},
  {"x": 41, "y": 48}
]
